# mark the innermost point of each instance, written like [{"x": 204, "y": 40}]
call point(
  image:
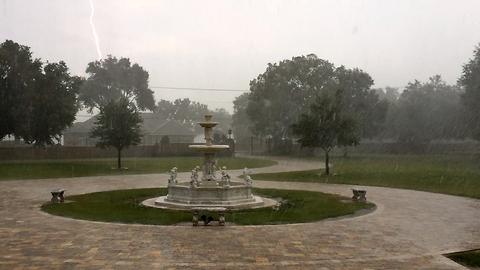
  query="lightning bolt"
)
[{"x": 95, "y": 32}]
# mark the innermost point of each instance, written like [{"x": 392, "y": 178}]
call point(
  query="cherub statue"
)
[
  {"x": 171, "y": 179},
  {"x": 173, "y": 176},
  {"x": 174, "y": 170},
  {"x": 246, "y": 175},
  {"x": 195, "y": 174},
  {"x": 193, "y": 179},
  {"x": 225, "y": 177}
]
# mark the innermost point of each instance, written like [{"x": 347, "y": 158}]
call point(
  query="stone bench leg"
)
[
  {"x": 220, "y": 210},
  {"x": 195, "y": 217},
  {"x": 221, "y": 218},
  {"x": 57, "y": 196},
  {"x": 359, "y": 195}
]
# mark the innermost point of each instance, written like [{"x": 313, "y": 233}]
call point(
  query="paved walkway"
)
[{"x": 409, "y": 230}]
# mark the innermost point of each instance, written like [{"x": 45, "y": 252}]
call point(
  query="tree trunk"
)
[
  {"x": 119, "y": 160},
  {"x": 327, "y": 158}
]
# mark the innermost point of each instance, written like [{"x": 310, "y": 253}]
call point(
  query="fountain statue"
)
[{"x": 208, "y": 189}]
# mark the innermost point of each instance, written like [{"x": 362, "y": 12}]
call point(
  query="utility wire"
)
[
  {"x": 240, "y": 90},
  {"x": 199, "y": 89}
]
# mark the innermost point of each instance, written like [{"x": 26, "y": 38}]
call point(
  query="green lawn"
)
[
  {"x": 454, "y": 174},
  {"x": 37, "y": 169},
  {"x": 124, "y": 206},
  {"x": 469, "y": 258}
]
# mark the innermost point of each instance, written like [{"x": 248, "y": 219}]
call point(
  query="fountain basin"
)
[
  {"x": 236, "y": 196},
  {"x": 209, "y": 149},
  {"x": 183, "y": 193},
  {"x": 208, "y": 124}
]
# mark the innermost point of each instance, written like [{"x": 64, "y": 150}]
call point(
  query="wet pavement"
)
[{"x": 408, "y": 230}]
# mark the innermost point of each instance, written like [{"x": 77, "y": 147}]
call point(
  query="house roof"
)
[
  {"x": 152, "y": 124},
  {"x": 172, "y": 127},
  {"x": 79, "y": 127}
]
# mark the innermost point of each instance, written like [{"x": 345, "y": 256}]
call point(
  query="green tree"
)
[
  {"x": 325, "y": 125},
  {"x": 389, "y": 94},
  {"x": 37, "y": 100},
  {"x": 112, "y": 79},
  {"x": 424, "y": 112},
  {"x": 241, "y": 124},
  {"x": 470, "y": 82},
  {"x": 412, "y": 122},
  {"x": 184, "y": 111},
  {"x": 190, "y": 113},
  {"x": 224, "y": 119},
  {"x": 285, "y": 90},
  {"x": 360, "y": 101},
  {"x": 118, "y": 125}
]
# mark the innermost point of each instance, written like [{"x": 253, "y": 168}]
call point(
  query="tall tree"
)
[
  {"x": 190, "y": 113},
  {"x": 424, "y": 112},
  {"x": 241, "y": 124},
  {"x": 184, "y": 111},
  {"x": 412, "y": 119},
  {"x": 285, "y": 90},
  {"x": 54, "y": 106},
  {"x": 112, "y": 79},
  {"x": 326, "y": 126},
  {"x": 118, "y": 125},
  {"x": 389, "y": 94},
  {"x": 224, "y": 119},
  {"x": 470, "y": 82},
  {"x": 37, "y": 100},
  {"x": 361, "y": 101}
]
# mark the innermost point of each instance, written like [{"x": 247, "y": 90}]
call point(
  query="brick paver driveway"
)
[{"x": 409, "y": 230}]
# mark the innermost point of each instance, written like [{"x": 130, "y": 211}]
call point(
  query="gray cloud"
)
[{"x": 225, "y": 44}]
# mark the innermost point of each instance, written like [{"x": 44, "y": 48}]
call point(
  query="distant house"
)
[{"x": 153, "y": 127}]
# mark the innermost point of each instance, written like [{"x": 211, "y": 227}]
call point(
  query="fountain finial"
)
[{"x": 208, "y": 126}]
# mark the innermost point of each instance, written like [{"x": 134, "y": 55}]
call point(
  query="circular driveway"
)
[{"x": 409, "y": 230}]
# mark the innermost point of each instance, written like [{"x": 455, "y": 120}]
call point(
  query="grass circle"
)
[{"x": 124, "y": 206}]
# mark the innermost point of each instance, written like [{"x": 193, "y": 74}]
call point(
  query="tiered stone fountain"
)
[{"x": 209, "y": 190}]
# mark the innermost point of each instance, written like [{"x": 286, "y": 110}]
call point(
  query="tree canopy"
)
[
  {"x": 241, "y": 124},
  {"x": 118, "y": 125},
  {"x": 189, "y": 113},
  {"x": 470, "y": 82},
  {"x": 285, "y": 90},
  {"x": 389, "y": 94},
  {"x": 425, "y": 112},
  {"x": 112, "y": 79},
  {"x": 184, "y": 111},
  {"x": 361, "y": 101},
  {"x": 326, "y": 125},
  {"x": 37, "y": 100}
]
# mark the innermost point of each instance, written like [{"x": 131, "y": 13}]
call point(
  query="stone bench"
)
[
  {"x": 57, "y": 195},
  {"x": 220, "y": 210},
  {"x": 359, "y": 195}
]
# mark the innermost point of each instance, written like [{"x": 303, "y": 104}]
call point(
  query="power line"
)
[
  {"x": 199, "y": 89},
  {"x": 241, "y": 90},
  {"x": 398, "y": 87}
]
